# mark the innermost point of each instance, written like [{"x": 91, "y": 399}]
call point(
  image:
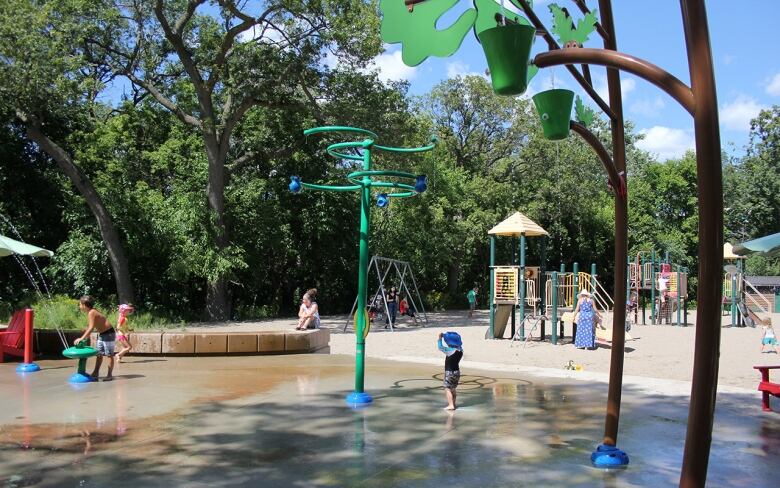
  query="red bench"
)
[
  {"x": 766, "y": 387},
  {"x": 12, "y": 338}
]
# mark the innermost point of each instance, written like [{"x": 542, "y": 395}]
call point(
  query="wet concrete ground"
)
[{"x": 282, "y": 421}]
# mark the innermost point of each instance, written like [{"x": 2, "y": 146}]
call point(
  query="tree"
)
[
  {"x": 46, "y": 83},
  {"x": 211, "y": 63}
]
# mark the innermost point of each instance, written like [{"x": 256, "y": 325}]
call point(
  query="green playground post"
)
[
  {"x": 554, "y": 319},
  {"x": 491, "y": 307},
  {"x": 365, "y": 228},
  {"x": 653, "y": 316},
  {"x": 362, "y": 181},
  {"x": 593, "y": 275},
  {"x": 576, "y": 272},
  {"x": 522, "y": 287},
  {"x": 514, "y": 261},
  {"x": 733, "y": 300},
  {"x": 679, "y": 294}
]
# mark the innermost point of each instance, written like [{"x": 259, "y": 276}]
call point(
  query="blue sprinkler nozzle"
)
[
  {"x": 421, "y": 184},
  {"x": 382, "y": 200},
  {"x": 295, "y": 184}
]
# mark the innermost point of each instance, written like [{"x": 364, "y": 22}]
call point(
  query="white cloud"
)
[
  {"x": 666, "y": 142},
  {"x": 737, "y": 114},
  {"x": 391, "y": 67},
  {"x": 648, "y": 108},
  {"x": 773, "y": 87},
  {"x": 627, "y": 85},
  {"x": 728, "y": 59},
  {"x": 459, "y": 68}
]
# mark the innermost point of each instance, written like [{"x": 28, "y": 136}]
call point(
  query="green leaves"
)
[
  {"x": 584, "y": 113},
  {"x": 564, "y": 29},
  {"x": 417, "y": 32}
]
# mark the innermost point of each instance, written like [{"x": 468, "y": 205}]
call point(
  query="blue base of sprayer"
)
[
  {"x": 80, "y": 378},
  {"x": 606, "y": 456},
  {"x": 356, "y": 399},
  {"x": 27, "y": 368}
]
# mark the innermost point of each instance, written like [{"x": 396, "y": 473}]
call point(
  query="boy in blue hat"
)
[{"x": 451, "y": 344}]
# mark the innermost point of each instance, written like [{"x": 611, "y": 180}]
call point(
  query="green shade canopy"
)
[
  {"x": 767, "y": 245},
  {"x": 10, "y": 246}
]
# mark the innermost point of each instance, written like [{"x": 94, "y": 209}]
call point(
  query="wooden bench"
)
[{"x": 766, "y": 387}]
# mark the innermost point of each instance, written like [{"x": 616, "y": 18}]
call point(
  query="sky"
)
[{"x": 747, "y": 79}]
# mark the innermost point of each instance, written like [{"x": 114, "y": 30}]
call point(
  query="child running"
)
[
  {"x": 769, "y": 338},
  {"x": 106, "y": 336},
  {"x": 123, "y": 330},
  {"x": 451, "y": 344}
]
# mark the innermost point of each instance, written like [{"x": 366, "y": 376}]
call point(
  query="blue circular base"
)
[
  {"x": 80, "y": 378},
  {"x": 606, "y": 456},
  {"x": 27, "y": 368},
  {"x": 358, "y": 399}
]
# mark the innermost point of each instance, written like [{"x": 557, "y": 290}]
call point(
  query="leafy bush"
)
[{"x": 63, "y": 312}]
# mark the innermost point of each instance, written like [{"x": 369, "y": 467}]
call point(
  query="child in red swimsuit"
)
[{"x": 123, "y": 331}]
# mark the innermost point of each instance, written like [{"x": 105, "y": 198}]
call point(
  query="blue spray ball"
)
[
  {"x": 382, "y": 200},
  {"x": 421, "y": 184},
  {"x": 295, "y": 184}
]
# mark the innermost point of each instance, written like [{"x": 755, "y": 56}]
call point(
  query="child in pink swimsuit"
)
[{"x": 123, "y": 331}]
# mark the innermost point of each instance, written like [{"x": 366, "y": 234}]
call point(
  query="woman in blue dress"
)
[{"x": 586, "y": 321}]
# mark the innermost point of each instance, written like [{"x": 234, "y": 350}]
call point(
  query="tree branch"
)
[{"x": 165, "y": 101}]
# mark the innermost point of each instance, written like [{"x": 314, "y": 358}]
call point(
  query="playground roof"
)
[
  {"x": 767, "y": 245},
  {"x": 517, "y": 224},
  {"x": 728, "y": 252},
  {"x": 10, "y": 246}
]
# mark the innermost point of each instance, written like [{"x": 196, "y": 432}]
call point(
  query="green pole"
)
[
  {"x": 653, "y": 318},
  {"x": 522, "y": 286},
  {"x": 554, "y": 318},
  {"x": 365, "y": 223},
  {"x": 514, "y": 261},
  {"x": 492, "y": 307},
  {"x": 576, "y": 271},
  {"x": 543, "y": 277},
  {"x": 593, "y": 275},
  {"x": 679, "y": 292},
  {"x": 733, "y": 300}
]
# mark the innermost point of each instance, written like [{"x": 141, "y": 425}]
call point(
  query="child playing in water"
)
[
  {"x": 769, "y": 338},
  {"x": 451, "y": 344},
  {"x": 106, "y": 335},
  {"x": 123, "y": 330}
]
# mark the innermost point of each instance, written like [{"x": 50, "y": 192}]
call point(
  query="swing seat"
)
[{"x": 12, "y": 338}]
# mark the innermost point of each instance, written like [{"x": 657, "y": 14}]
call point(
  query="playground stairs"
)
[{"x": 570, "y": 285}]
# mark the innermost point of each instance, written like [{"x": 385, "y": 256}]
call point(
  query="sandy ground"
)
[{"x": 659, "y": 358}]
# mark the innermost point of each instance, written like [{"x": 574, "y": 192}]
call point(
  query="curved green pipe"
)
[
  {"x": 405, "y": 149},
  {"x": 388, "y": 184},
  {"x": 330, "y": 188},
  {"x": 339, "y": 145},
  {"x": 339, "y": 128},
  {"x": 399, "y": 174},
  {"x": 402, "y": 195}
]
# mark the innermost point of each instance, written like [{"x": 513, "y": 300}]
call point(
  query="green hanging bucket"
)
[
  {"x": 508, "y": 49},
  {"x": 554, "y": 108}
]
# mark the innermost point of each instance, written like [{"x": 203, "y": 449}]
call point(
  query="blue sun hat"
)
[{"x": 453, "y": 340}]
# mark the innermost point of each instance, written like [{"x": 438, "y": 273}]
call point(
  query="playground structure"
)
[
  {"x": 383, "y": 269},
  {"x": 362, "y": 181},
  {"x": 741, "y": 299},
  {"x": 661, "y": 283},
  {"x": 507, "y": 40},
  {"x": 534, "y": 293}
]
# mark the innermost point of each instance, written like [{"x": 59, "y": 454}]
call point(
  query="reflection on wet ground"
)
[{"x": 281, "y": 421}]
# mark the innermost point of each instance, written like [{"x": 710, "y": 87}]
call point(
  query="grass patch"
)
[{"x": 63, "y": 312}]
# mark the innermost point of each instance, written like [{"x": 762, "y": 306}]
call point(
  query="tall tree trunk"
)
[
  {"x": 116, "y": 253},
  {"x": 217, "y": 300},
  {"x": 453, "y": 273}
]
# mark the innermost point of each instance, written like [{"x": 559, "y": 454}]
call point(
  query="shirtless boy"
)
[{"x": 106, "y": 335}]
